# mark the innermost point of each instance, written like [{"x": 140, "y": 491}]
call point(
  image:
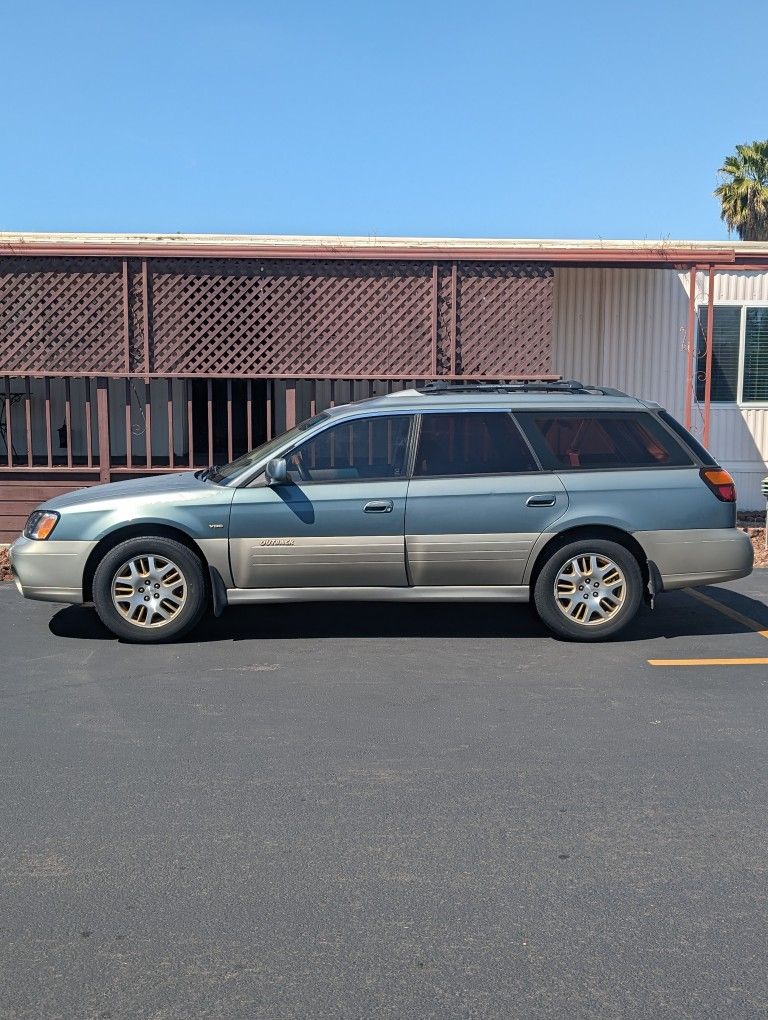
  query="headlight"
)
[{"x": 40, "y": 524}]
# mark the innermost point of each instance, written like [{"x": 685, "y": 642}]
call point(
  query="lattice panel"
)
[
  {"x": 311, "y": 318},
  {"x": 504, "y": 318},
  {"x": 60, "y": 315},
  {"x": 278, "y": 317}
]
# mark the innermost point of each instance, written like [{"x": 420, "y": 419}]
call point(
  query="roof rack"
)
[{"x": 571, "y": 386}]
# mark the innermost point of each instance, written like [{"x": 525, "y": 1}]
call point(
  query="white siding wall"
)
[{"x": 628, "y": 328}]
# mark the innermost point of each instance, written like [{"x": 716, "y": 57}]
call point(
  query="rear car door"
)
[
  {"x": 340, "y": 519},
  {"x": 621, "y": 468},
  {"x": 477, "y": 501}
]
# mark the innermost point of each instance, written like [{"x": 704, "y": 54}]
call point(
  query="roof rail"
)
[{"x": 440, "y": 387}]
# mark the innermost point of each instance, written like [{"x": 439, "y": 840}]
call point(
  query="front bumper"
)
[
  {"x": 686, "y": 559},
  {"x": 50, "y": 571}
]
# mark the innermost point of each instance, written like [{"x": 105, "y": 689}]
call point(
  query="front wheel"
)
[
  {"x": 149, "y": 590},
  {"x": 588, "y": 590}
]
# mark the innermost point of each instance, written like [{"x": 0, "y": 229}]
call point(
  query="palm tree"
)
[{"x": 743, "y": 193}]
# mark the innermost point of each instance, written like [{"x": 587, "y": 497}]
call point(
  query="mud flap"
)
[
  {"x": 218, "y": 592},
  {"x": 655, "y": 585}
]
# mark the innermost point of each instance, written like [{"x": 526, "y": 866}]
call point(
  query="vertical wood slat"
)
[
  {"x": 148, "y": 422},
  {"x": 290, "y": 404},
  {"x": 210, "y": 422},
  {"x": 230, "y": 453},
  {"x": 249, "y": 415},
  {"x": 102, "y": 403},
  {"x": 8, "y": 423},
  {"x": 190, "y": 430},
  {"x": 269, "y": 408},
  {"x": 88, "y": 424},
  {"x": 28, "y": 417},
  {"x": 68, "y": 418},
  {"x": 169, "y": 398},
  {"x": 48, "y": 436},
  {"x": 128, "y": 425}
]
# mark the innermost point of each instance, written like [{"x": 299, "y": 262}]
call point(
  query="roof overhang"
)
[{"x": 585, "y": 252}]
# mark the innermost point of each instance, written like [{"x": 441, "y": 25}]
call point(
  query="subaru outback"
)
[{"x": 580, "y": 499}]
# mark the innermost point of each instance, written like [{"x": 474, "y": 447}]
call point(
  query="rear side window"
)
[
  {"x": 572, "y": 439},
  {"x": 471, "y": 443},
  {"x": 704, "y": 455}
]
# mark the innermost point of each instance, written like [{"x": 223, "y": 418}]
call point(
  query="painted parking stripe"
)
[
  {"x": 746, "y": 621},
  {"x": 733, "y": 614},
  {"x": 708, "y": 662}
]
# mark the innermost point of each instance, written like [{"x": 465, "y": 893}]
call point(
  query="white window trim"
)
[{"x": 739, "y": 402}]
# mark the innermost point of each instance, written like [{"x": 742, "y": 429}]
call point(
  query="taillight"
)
[{"x": 720, "y": 482}]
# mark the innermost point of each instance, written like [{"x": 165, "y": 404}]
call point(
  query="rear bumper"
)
[
  {"x": 50, "y": 571},
  {"x": 686, "y": 559}
]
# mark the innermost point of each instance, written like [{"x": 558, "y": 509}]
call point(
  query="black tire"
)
[
  {"x": 590, "y": 627},
  {"x": 191, "y": 586}
]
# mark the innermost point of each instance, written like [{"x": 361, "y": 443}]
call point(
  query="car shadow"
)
[{"x": 676, "y": 615}]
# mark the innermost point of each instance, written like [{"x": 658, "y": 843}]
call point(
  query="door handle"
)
[
  {"x": 541, "y": 499},
  {"x": 378, "y": 506}
]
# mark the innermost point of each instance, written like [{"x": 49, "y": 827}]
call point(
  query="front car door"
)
[
  {"x": 477, "y": 500},
  {"x": 339, "y": 521}
]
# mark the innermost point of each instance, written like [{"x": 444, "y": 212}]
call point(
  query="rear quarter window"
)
[
  {"x": 704, "y": 455},
  {"x": 578, "y": 440}
]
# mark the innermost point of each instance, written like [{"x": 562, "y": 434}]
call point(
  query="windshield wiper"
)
[{"x": 209, "y": 472}]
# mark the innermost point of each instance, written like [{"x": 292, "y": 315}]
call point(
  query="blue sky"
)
[{"x": 518, "y": 119}]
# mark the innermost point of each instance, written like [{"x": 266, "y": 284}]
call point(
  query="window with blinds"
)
[
  {"x": 755, "y": 385},
  {"x": 726, "y": 338},
  {"x": 727, "y": 353}
]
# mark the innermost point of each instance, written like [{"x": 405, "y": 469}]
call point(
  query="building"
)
[{"x": 124, "y": 354}]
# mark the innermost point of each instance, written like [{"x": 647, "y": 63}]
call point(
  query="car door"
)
[
  {"x": 477, "y": 500},
  {"x": 338, "y": 521}
]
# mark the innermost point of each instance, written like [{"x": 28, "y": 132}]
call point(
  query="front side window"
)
[
  {"x": 366, "y": 448},
  {"x": 609, "y": 440},
  {"x": 471, "y": 443},
  {"x": 739, "y": 334}
]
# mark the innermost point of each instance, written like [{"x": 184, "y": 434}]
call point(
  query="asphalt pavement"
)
[{"x": 383, "y": 811}]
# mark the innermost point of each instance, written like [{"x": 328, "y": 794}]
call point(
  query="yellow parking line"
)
[
  {"x": 733, "y": 614},
  {"x": 708, "y": 662},
  {"x": 746, "y": 621}
]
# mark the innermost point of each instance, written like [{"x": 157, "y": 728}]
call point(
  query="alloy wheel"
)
[
  {"x": 590, "y": 589},
  {"x": 149, "y": 591}
]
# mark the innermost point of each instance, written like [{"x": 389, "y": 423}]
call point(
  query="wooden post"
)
[{"x": 102, "y": 406}]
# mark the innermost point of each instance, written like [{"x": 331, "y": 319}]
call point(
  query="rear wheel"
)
[
  {"x": 149, "y": 590},
  {"x": 589, "y": 590}
]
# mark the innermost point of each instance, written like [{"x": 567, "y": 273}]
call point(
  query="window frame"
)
[
  {"x": 551, "y": 463},
  {"x": 743, "y": 305},
  {"x": 334, "y": 422},
  {"x": 508, "y": 411}
]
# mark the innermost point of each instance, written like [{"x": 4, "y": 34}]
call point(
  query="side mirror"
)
[{"x": 276, "y": 471}]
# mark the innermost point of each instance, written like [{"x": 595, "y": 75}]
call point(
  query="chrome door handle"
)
[
  {"x": 378, "y": 506},
  {"x": 541, "y": 499}
]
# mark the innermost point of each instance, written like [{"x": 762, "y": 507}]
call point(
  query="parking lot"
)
[{"x": 368, "y": 811}]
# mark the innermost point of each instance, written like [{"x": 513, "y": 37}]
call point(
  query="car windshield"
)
[{"x": 224, "y": 473}]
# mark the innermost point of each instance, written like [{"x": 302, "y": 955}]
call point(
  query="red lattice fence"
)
[{"x": 273, "y": 318}]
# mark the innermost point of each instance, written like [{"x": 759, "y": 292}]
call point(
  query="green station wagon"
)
[{"x": 582, "y": 499}]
